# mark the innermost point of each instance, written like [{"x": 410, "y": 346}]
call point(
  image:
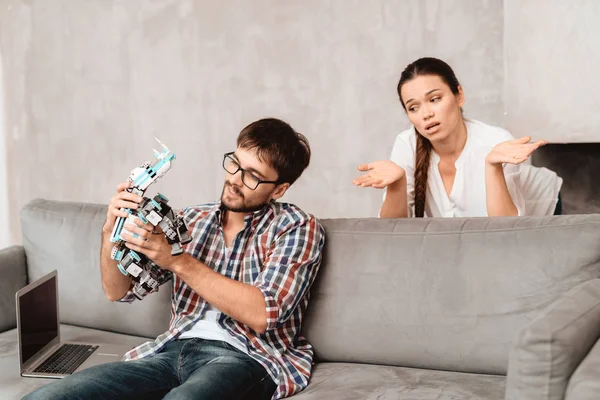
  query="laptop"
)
[{"x": 41, "y": 352}]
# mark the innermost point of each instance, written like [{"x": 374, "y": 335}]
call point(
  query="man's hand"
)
[
  {"x": 153, "y": 244},
  {"x": 114, "y": 283},
  {"x": 380, "y": 174},
  {"x": 512, "y": 151},
  {"x": 122, "y": 199}
]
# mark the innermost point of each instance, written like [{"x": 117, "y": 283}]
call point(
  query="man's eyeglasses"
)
[{"x": 249, "y": 180}]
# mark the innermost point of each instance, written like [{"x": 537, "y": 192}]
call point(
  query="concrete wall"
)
[
  {"x": 552, "y": 57},
  {"x": 89, "y": 82},
  {"x": 5, "y": 239}
]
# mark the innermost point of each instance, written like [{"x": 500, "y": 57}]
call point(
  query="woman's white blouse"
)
[{"x": 533, "y": 190}]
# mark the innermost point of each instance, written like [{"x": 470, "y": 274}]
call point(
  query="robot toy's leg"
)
[
  {"x": 184, "y": 236},
  {"x": 139, "y": 292},
  {"x": 176, "y": 249},
  {"x": 167, "y": 228}
]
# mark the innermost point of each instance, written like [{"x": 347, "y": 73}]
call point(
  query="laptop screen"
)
[{"x": 39, "y": 319}]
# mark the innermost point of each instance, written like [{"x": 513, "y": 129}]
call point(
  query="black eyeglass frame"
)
[{"x": 244, "y": 172}]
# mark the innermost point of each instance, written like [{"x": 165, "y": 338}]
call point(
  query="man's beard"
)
[{"x": 243, "y": 208}]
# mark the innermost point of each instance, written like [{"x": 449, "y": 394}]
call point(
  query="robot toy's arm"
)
[
  {"x": 176, "y": 232},
  {"x": 142, "y": 177},
  {"x": 182, "y": 230}
]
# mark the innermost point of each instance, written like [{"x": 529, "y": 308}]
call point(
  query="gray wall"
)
[
  {"x": 5, "y": 239},
  {"x": 552, "y": 58},
  {"x": 89, "y": 83}
]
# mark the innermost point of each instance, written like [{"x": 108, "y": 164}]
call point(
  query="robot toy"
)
[
  {"x": 144, "y": 272},
  {"x": 142, "y": 177}
]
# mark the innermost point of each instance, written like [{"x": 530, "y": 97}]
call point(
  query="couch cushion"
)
[
  {"x": 584, "y": 383},
  {"x": 13, "y": 386},
  {"x": 13, "y": 271},
  {"x": 447, "y": 294},
  {"x": 339, "y": 381},
  {"x": 553, "y": 344},
  {"x": 66, "y": 237}
]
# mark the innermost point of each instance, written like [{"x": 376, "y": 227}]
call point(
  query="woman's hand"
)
[
  {"x": 379, "y": 174},
  {"x": 513, "y": 151}
]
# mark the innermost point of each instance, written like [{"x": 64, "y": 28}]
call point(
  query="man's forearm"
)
[
  {"x": 498, "y": 200},
  {"x": 395, "y": 204},
  {"x": 114, "y": 283},
  {"x": 242, "y": 302}
]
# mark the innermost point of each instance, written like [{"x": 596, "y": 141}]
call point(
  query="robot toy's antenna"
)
[{"x": 162, "y": 145}]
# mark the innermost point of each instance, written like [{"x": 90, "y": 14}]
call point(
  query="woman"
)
[{"x": 449, "y": 166}]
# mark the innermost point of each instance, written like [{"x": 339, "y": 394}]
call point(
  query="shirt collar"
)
[
  {"x": 251, "y": 219},
  {"x": 435, "y": 158}
]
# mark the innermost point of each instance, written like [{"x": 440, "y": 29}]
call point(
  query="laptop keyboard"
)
[{"x": 66, "y": 359}]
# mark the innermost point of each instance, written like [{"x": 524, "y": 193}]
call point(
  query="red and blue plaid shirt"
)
[{"x": 279, "y": 252}]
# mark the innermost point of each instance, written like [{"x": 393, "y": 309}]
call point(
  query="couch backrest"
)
[
  {"x": 445, "y": 294},
  {"x": 66, "y": 237}
]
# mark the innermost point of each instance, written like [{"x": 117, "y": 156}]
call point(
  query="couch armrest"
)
[
  {"x": 584, "y": 383},
  {"x": 553, "y": 344},
  {"x": 13, "y": 276}
]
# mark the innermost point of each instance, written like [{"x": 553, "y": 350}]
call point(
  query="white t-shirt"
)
[
  {"x": 208, "y": 326},
  {"x": 533, "y": 190}
]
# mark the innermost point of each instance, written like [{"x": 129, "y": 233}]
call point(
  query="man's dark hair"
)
[{"x": 279, "y": 145}]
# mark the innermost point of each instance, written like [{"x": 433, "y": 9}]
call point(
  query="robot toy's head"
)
[{"x": 165, "y": 154}]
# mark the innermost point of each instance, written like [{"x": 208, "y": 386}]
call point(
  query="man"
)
[{"x": 239, "y": 291}]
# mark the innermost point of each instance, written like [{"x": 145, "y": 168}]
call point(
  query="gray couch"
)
[{"x": 402, "y": 309}]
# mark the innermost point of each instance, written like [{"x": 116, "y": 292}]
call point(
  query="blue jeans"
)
[{"x": 184, "y": 369}]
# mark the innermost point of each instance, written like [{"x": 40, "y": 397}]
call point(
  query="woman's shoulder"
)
[
  {"x": 404, "y": 148},
  {"x": 407, "y": 138},
  {"x": 487, "y": 135}
]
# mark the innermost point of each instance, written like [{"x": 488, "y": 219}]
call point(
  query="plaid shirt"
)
[{"x": 279, "y": 252}]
